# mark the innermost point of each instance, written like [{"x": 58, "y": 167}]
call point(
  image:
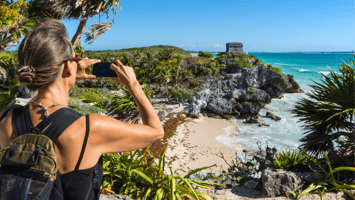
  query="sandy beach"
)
[{"x": 194, "y": 145}]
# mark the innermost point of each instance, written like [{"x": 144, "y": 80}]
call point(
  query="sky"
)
[{"x": 261, "y": 25}]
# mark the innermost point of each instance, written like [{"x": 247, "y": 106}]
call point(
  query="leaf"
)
[
  {"x": 189, "y": 187},
  {"x": 143, "y": 175}
]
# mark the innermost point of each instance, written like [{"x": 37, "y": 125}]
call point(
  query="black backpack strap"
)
[
  {"x": 84, "y": 143},
  {"x": 7, "y": 109},
  {"x": 44, "y": 123},
  {"x": 22, "y": 123},
  {"x": 60, "y": 124},
  {"x": 19, "y": 121}
]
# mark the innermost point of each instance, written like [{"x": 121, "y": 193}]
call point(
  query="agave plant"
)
[
  {"x": 327, "y": 182},
  {"x": 329, "y": 111}
]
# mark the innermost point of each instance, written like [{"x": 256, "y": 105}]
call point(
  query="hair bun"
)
[{"x": 26, "y": 74}]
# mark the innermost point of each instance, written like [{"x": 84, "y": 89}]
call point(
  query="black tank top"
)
[{"x": 78, "y": 184}]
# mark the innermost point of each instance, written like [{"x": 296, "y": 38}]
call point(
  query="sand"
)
[{"x": 194, "y": 145}]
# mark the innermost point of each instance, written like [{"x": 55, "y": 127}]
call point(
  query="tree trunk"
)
[{"x": 79, "y": 31}]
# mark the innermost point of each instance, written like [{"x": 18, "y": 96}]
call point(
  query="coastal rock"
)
[
  {"x": 272, "y": 116},
  {"x": 220, "y": 106},
  {"x": 204, "y": 95},
  {"x": 264, "y": 124},
  {"x": 244, "y": 95},
  {"x": 195, "y": 108},
  {"x": 295, "y": 87},
  {"x": 250, "y": 184},
  {"x": 249, "y": 108},
  {"x": 276, "y": 182},
  {"x": 310, "y": 177}
]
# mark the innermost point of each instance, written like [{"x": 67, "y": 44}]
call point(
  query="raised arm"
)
[{"x": 112, "y": 135}]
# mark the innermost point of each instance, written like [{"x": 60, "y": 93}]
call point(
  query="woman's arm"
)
[{"x": 111, "y": 135}]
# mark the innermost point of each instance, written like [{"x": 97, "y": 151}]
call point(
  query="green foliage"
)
[
  {"x": 329, "y": 112},
  {"x": 92, "y": 97},
  {"x": 252, "y": 91},
  {"x": 196, "y": 82},
  {"x": 327, "y": 182},
  {"x": 183, "y": 94},
  {"x": 295, "y": 162},
  {"x": 138, "y": 175},
  {"x": 126, "y": 103},
  {"x": 85, "y": 110},
  {"x": 204, "y": 54},
  {"x": 7, "y": 96},
  {"x": 7, "y": 71}
]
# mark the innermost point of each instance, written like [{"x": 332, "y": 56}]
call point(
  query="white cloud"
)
[
  {"x": 193, "y": 45},
  {"x": 217, "y": 45}
]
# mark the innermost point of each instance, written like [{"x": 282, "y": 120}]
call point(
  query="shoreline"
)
[{"x": 194, "y": 145}]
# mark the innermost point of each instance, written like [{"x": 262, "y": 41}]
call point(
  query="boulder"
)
[
  {"x": 264, "y": 124},
  {"x": 295, "y": 87},
  {"x": 195, "y": 108},
  {"x": 250, "y": 108},
  {"x": 250, "y": 184},
  {"x": 272, "y": 116},
  {"x": 276, "y": 182},
  {"x": 220, "y": 106}
]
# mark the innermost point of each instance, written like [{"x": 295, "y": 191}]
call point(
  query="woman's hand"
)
[
  {"x": 82, "y": 65},
  {"x": 125, "y": 74}
]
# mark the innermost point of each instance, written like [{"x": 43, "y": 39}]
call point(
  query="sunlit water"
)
[{"x": 285, "y": 134}]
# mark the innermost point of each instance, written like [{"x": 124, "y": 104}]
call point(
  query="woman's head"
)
[{"x": 42, "y": 53}]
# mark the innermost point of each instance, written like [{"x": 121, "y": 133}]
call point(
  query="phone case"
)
[{"x": 103, "y": 70}]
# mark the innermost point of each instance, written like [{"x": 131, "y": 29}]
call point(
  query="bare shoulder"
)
[{"x": 111, "y": 135}]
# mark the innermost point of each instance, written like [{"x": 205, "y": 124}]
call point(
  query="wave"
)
[
  {"x": 325, "y": 73},
  {"x": 303, "y": 70}
]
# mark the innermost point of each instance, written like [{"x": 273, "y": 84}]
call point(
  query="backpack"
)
[{"x": 28, "y": 164}]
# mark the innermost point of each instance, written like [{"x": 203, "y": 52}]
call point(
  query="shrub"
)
[
  {"x": 92, "y": 97},
  {"x": 7, "y": 96},
  {"x": 138, "y": 175},
  {"x": 85, "y": 110},
  {"x": 204, "y": 54},
  {"x": 183, "y": 94},
  {"x": 327, "y": 182},
  {"x": 295, "y": 161}
]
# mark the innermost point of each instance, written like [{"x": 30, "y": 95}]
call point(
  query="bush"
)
[
  {"x": 204, "y": 54},
  {"x": 85, "y": 110},
  {"x": 92, "y": 97},
  {"x": 138, "y": 175},
  {"x": 295, "y": 162},
  {"x": 183, "y": 94}
]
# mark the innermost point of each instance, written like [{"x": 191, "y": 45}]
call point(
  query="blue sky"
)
[{"x": 261, "y": 25}]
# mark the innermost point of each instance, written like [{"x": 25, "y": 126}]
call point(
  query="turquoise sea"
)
[{"x": 285, "y": 134}]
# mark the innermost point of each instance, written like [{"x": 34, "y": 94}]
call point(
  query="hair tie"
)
[{"x": 25, "y": 68}]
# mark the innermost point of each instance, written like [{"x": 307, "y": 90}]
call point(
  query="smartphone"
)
[{"x": 103, "y": 69}]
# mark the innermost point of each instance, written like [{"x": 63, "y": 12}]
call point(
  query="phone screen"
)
[{"x": 103, "y": 70}]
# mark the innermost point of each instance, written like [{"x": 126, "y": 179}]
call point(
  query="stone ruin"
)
[{"x": 235, "y": 47}]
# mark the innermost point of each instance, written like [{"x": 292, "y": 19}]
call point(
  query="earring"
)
[{"x": 67, "y": 69}]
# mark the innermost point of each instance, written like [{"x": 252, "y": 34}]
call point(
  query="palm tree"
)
[{"x": 329, "y": 112}]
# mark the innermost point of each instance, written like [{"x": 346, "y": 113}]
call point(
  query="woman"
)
[{"x": 47, "y": 64}]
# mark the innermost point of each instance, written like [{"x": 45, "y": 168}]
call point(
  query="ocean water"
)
[{"x": 285, "y": 134}]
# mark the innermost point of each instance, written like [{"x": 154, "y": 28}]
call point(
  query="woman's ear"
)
[{"x": 66, "y": 67}]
